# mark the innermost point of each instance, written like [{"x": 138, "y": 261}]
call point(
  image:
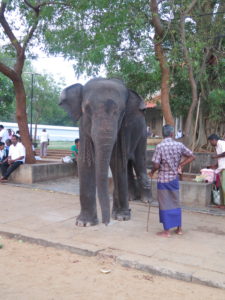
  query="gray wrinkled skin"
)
[{"x": 112, "y": 133}]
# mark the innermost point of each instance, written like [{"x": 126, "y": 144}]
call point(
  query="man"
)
[
  {"x": 44, "y": 142},
  {"x": 220, "y": 165},
  {"x": 179, "y": 134},
  {"x": 3, "y": 134},
  {"x": 75, "y": 149},
  {"x": 15, "y": 158},
  {"x": 8, "y": 143},
  {"x": 3, "y": 152},
  {"x": 167, "y": 160}
]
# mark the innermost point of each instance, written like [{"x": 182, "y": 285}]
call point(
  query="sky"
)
[{"x": 59, "y": 68}]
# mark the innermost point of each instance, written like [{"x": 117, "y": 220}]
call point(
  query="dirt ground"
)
[{"x": 30, "y": 272}]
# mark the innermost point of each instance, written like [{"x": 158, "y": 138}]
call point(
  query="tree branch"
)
[
  {"x": 8, "y": 30},
  {"x": 155, "y": 18},
  {"x": 45, "y": 3},
  {"x": 10, "y": 73},
  {"x": 190, "y": 7}
]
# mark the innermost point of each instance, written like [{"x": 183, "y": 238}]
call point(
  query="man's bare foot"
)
[
  {"x": 164, "y": 234},
  {"x": 179, "y": 231},
  {"x": 3, "y": 180}
]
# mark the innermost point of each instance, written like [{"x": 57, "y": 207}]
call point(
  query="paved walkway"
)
[{"x": 47, "y": 217}]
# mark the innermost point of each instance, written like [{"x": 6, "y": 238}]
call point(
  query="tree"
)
[
  {"x": 114, "y": 36},
  {"x": 31, "y": 14}
]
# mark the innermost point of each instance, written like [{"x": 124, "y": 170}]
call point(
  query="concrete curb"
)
[
  {"x": 152, "y": 267},
  {"x": 45, "y": 243}
]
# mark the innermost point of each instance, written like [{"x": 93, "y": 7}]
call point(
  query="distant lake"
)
[{"x": 56, "y": 133}]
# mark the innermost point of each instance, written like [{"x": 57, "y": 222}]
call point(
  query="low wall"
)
[
  {"x": 31, "y": 173},
  {"x": 192, "y": 194},
  {"x": 202, "y": 160}
]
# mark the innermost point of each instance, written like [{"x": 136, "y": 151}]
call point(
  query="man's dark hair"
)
[
  {"x": 213, "y": 137},
  {"x": 77, "y": 140},
  {"x": 8, "y": 141},
  {"x": 1, "y": 126},
  {"x": 16, "y": 136},
  {"x": 167, "y": 130},
  {"x": 2, "y": 144}
]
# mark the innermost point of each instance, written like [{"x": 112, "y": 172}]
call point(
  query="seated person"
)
[
  {"x": 75, "y": 149},
  {"x": 3, "y": 153},
  {"x": 8, "y": 143},
  {"x": 15, "y": 158}
]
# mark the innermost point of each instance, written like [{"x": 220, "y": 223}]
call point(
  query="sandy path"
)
[{"x": 30, "y": 272}]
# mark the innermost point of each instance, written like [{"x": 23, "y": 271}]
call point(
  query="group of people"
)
[
  {"x": 12, "y": 151},
  {"x": 169, "y": 159},
  {"x": 12, "y": 155}
]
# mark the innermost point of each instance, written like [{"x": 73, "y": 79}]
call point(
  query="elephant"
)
[{"x": 112, "y": 134}]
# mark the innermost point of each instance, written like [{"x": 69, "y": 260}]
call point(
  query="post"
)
[
  {"x": 31, "y": 102},
  {"x": 195, "y": 129}
]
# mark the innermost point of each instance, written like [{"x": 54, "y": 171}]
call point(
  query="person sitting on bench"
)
[{"x": 16, "y": 157}]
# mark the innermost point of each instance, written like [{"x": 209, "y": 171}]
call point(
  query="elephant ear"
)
[
  {"x": 142, "y": 105},
  {"x": 137, "y": 100},
  {"x": 71, "y": 101}
]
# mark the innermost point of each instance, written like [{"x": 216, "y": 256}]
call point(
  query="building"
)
[{"x": 155, "y": 119}]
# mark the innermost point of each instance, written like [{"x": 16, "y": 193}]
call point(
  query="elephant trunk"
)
[{"x": 103, "y": 150}]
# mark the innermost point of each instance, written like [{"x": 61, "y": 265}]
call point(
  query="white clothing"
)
[
  {"x": 44, "y": 137},
  {"x": 179, "y": 134},
  {"x": 4, "y": 135},
  {"x": 220, "y": 148},
  {"x": 17, "y": 151},
  {"x": 2, "y": 153}
]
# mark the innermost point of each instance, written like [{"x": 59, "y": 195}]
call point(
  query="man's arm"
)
[
  {"x": 186, "y": 161},
  {"x": 156, "y": 159},
  {"x": 154, "y": 169},
  {"x": 218, "y": 155},
  {"x": 14, "y": 160}
]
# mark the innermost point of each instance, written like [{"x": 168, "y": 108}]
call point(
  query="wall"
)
[{"x": 40, "y": 172}]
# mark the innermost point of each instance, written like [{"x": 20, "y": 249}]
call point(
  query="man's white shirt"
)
[
  {"x": 17, "y": 151},
  {"x": 44, "y": 137},
  {"x": 220, "y": 148},
  {"x": 4, "y": 135}
]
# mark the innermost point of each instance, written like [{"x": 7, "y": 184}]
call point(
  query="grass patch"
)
[{"x": 58, "y": 145}]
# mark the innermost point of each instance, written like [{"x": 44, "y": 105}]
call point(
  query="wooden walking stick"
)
[{"x": 149, "y": 208}]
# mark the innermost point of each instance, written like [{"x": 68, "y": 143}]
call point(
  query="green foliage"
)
[
  {"x": 6, "y": 98},
  {"x": 216, "y": 104},
  {"x": 46, "y": 94}
]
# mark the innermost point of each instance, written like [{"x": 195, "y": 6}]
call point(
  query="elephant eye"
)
[{"x": 87, "y": 109}]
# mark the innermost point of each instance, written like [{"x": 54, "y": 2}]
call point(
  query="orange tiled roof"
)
[{"x": 153, "y": 101}]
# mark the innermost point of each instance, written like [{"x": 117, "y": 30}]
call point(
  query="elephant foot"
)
[
  {"x": 121, "y": 215},
  {"x": 83, "y": 222},
  {"x": 147, "y": 197}
]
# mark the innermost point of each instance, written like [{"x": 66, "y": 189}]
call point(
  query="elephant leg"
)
[
  {"x": 88, "y": 214},
  {"x": 141, "y": 172},
  {"x": 133, "y": 184},
  {"x": 120, "y": 210}
]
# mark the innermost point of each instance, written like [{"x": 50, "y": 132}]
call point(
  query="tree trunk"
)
[
  {"x": 165, "y": 72},
  {"x": 21, "y": 116},
  {"x": 202, "y": 139},
  {"x": 165, "y": 90}
]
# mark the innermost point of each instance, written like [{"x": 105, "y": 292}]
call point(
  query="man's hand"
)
[
  {"x": 150, "y": 174},
  {"x": 214, "y": 156},
  {"x": 180, "y": 169},
  {"x": 212, "y": 167}
]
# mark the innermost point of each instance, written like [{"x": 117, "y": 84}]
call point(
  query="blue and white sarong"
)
[{"x": 169, "y": 204}]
